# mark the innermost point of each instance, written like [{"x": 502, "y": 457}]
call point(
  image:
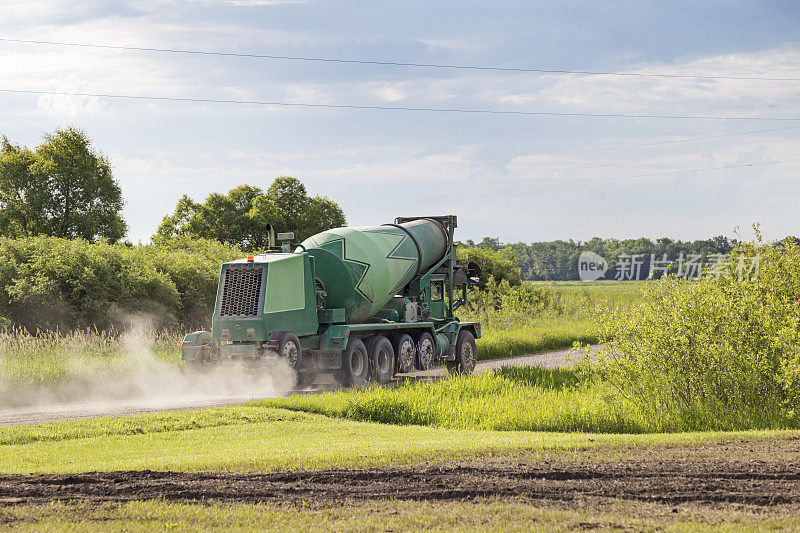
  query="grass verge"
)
[{"x": 519, "y": 399}]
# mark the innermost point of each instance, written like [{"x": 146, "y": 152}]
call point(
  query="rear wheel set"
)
[
  {"x": 381, "y": 359},
  {"x": 355, "y": 365}
]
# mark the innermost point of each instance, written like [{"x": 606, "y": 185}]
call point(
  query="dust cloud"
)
[{"x": 137, "y": 380}]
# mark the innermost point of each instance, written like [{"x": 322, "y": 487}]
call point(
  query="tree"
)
[
  {"x": 241, "y": 217},
  {"x": 303, "y": 215},
  {"x": 64, "y": 189},
  {"x": 19, "y": 193}
]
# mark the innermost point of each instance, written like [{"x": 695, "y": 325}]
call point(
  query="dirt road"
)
[{"x": 81, "y": 411}]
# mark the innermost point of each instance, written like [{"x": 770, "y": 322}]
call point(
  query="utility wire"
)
[
  {"x": 708, "y": 169},
  {"x": 398, "y": 63},
  {"x": 389, "y": 108},
  {"x": 688, "y": 139}
]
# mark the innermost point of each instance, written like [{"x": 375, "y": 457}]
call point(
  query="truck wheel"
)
[
  {"x": 355, "y": 365},
  {"x": 404, "y": 353},
  {"x": 201, "y": 365},
  {"x": 466, "y": 353},
  {"x": 381, "y": 359},
  {"x": 425, "y": 350},
  {"x": 289, "y": 349}
]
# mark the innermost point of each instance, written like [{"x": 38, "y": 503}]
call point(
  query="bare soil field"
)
[{"x": 757, "y": 474}]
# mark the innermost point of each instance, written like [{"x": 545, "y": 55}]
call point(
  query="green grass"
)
[
  {"x": 263, "y": 438},
  {"x": 520, "y": 399},
  {"x": 483, "y": 514},
  {"x": 576, "y": 294},
  {"x": 52, "y": 357}
]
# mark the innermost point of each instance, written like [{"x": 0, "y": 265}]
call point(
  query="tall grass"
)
[
  {"x": 52, "y": 357},
  {"x": 514, "y": 399}
]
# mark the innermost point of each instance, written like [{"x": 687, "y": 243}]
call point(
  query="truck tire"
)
[
  {"x": 466, "y": 353},
  {"x": 404, "y": 353},
  {"x": 289, "y": 349},
  {"x": 426, "y": 349},
  {"x": 201, "y": 365},
  {"x": 355, "y": 365},
  {"x": 381, "y": 359}
]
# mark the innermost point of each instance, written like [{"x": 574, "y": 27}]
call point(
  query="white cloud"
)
[{"x": 390, "y": 93}]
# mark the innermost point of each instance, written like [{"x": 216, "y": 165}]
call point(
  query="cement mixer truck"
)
[{"x": 361, "y": 303}]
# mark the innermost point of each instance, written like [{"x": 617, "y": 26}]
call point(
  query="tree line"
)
[{"x": 559, "y": 260}]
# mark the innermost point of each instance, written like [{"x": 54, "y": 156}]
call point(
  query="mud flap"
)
[{"x": 330, "y": 360}]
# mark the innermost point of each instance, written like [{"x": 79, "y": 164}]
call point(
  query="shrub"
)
[
  {"x": 715, "y": 352},
  {"x": 52, "y": 283}
]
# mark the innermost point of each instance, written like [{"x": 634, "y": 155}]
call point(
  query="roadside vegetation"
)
[
  {"x": 725, "y": 348},
  {"x": 50, "y": 283},
  {"x": 535, "y": 317},
  {"x": 524, "y": 399}
]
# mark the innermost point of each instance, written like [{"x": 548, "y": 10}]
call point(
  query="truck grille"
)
[{"x": 241, "y": 291}]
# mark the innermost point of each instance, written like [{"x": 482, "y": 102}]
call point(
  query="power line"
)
[
  {"x": 398, "y": 63},
  {"x": 708, "y": 169},
  {"x": 688, "y": 139},
  {"x": 389, "y": 108}
]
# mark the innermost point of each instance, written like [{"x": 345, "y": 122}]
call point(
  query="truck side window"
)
[{"x": 437, "y": 291}]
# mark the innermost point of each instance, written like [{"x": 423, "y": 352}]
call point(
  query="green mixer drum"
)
[{"x": 361, "y": 269}]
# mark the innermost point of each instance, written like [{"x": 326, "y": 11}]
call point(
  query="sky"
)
[{"x": 517, "y": 177}]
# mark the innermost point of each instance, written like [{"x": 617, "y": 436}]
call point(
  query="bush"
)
[
  {"x": 720, "y": 353},
  {"x": 52, "y": 283}
]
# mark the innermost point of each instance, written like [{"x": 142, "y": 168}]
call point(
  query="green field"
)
[
  {"x": 532, "y": 413},
  {"x": 565, "y": 316}
]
